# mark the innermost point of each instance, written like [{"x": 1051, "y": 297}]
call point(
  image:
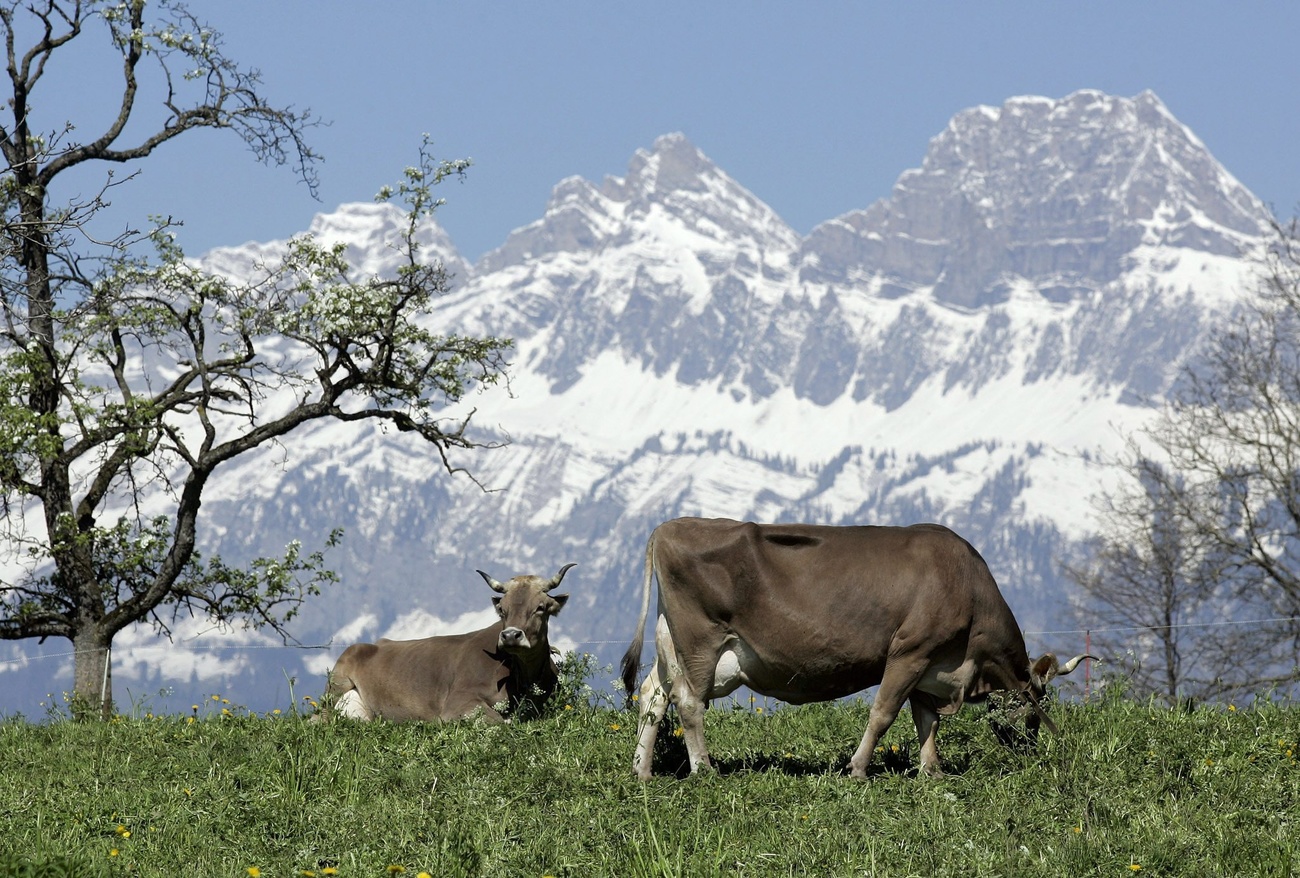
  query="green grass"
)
[{"x": 1126, "y": 788}]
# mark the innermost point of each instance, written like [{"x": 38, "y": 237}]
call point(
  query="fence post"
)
[
  {"x": 103, "y": 687},
  {"x": 1087, "y": 664}
]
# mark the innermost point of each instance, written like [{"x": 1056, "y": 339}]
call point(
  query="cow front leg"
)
[
  {"x": 899, "y": 679},
  {"x": 926, "y": 718}
]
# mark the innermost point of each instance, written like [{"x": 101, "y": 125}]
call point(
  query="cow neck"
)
[{"x": 529, "y": 665}]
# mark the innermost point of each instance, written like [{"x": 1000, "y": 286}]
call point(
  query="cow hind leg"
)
[
  {"x": 352, "y": 705},
  {"x": 899, "y": 680},
  {"x": 653, "y": 702},
  {"x": 667, "y": 683},
  {"x": 690, "y": 708},
  {"x": 690, "y": 705}
]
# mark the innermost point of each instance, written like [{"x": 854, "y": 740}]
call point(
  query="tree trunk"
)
[{"x": 92, "y": 675}]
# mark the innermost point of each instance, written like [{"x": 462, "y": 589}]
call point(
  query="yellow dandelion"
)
[
  {"x": 758, "y": 710},
  {"x": 394, "y": 869},
  {"x": 1134, "y": 867},
  {"x": 225, "y": 701},
  {"x": 1078, "y": 829},
  {"x": 254, "y": 872},
  {"x": 893, "y": 748},
  {"x": 329, "y": 870},
  {"x": 194, "y": 707},
  {"x": 189, "y": 720},
  {"x": 424, "y": 875},
  {"x": 114, "y": 852},
  {"x": 187, "y": 791},
  {"x": 636, "y": 697},
  {"x": 614, "y": 727},
  {"x": 121, "y": 830},
  {"x": 225, "y": 711},
  {"x": 568, "y": 707},
  {"x": 216, "y": 697},
  {"x": 276, "y": 711},
  {"x": 678, "y": 732},
  {"x": 1232, "y": 707}
]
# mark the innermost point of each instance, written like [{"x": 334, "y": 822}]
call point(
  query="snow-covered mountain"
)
[{"x": 957, "y": 352}]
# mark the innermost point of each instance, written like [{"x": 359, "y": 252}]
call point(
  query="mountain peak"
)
[
  {"x": 673, "y": 163},
  {"x": 672, "y": 185},
  {"x": 1053, "y": 191},
  {"x": 371, "y": 232}
]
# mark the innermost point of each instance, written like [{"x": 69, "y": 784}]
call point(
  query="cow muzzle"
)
[{"x": 513, "y": 639}]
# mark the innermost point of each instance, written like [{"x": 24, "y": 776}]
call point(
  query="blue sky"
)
[{"x": 816, "y": 107}]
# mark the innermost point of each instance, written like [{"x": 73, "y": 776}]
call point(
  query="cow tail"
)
[{"x": 632, "y": 658}]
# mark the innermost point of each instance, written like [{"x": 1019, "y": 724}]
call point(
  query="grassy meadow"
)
[{"x": 1126, "y": 788}]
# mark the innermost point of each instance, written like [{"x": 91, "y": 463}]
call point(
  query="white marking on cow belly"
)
[
  {"x": 732, "y": 670},
  {"x": 943, "y": 684},
  {"x": 349, "y": 704}
]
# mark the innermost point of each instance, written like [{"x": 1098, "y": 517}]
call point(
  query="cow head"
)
[
  {"x": 525, "y": 606},
  {"x": 1041, "y": 673}
]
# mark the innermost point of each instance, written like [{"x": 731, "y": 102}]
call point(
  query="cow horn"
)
[
  {"x": 1042, "y": 714},
  {"x": 492, "y": 583},
  {"x": 1074, "y": 663},
  {"x": 559, "y": 577}
]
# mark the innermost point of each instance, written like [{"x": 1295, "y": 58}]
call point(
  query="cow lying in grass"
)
[{"x": 498, "y": 671}]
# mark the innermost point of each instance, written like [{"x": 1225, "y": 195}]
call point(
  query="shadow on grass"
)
[{"x": 671, "y": 758}]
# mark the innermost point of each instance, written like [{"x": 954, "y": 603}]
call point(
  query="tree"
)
[
  {"x": 1213, "y": 531},
  {"x": 1151, "y": 583},
  {"x": 127, "y": 380}
]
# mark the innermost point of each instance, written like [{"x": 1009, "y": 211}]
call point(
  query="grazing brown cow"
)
[
  {"x": 493, "y": 671},
  {"x": 811, "y": 613}
]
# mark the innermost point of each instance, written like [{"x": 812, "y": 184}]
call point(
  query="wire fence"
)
[{"x": 1086, "y": 633}]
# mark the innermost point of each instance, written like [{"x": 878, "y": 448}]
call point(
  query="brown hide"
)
[
  {"x": 492, "y": 671},
  {"x": 811, "y": 613}
]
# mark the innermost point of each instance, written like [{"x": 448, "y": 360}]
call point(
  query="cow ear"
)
[
  {"x": 1045, "y": 668},
  {"x": 496, "y": 602},
  {"x": 560, "y": 600}
]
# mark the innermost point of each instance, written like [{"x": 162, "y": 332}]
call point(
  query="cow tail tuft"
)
[{"x": 631, "y": 664}]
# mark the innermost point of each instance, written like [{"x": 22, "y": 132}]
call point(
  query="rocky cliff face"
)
[{"x": 957, "y": 352}]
